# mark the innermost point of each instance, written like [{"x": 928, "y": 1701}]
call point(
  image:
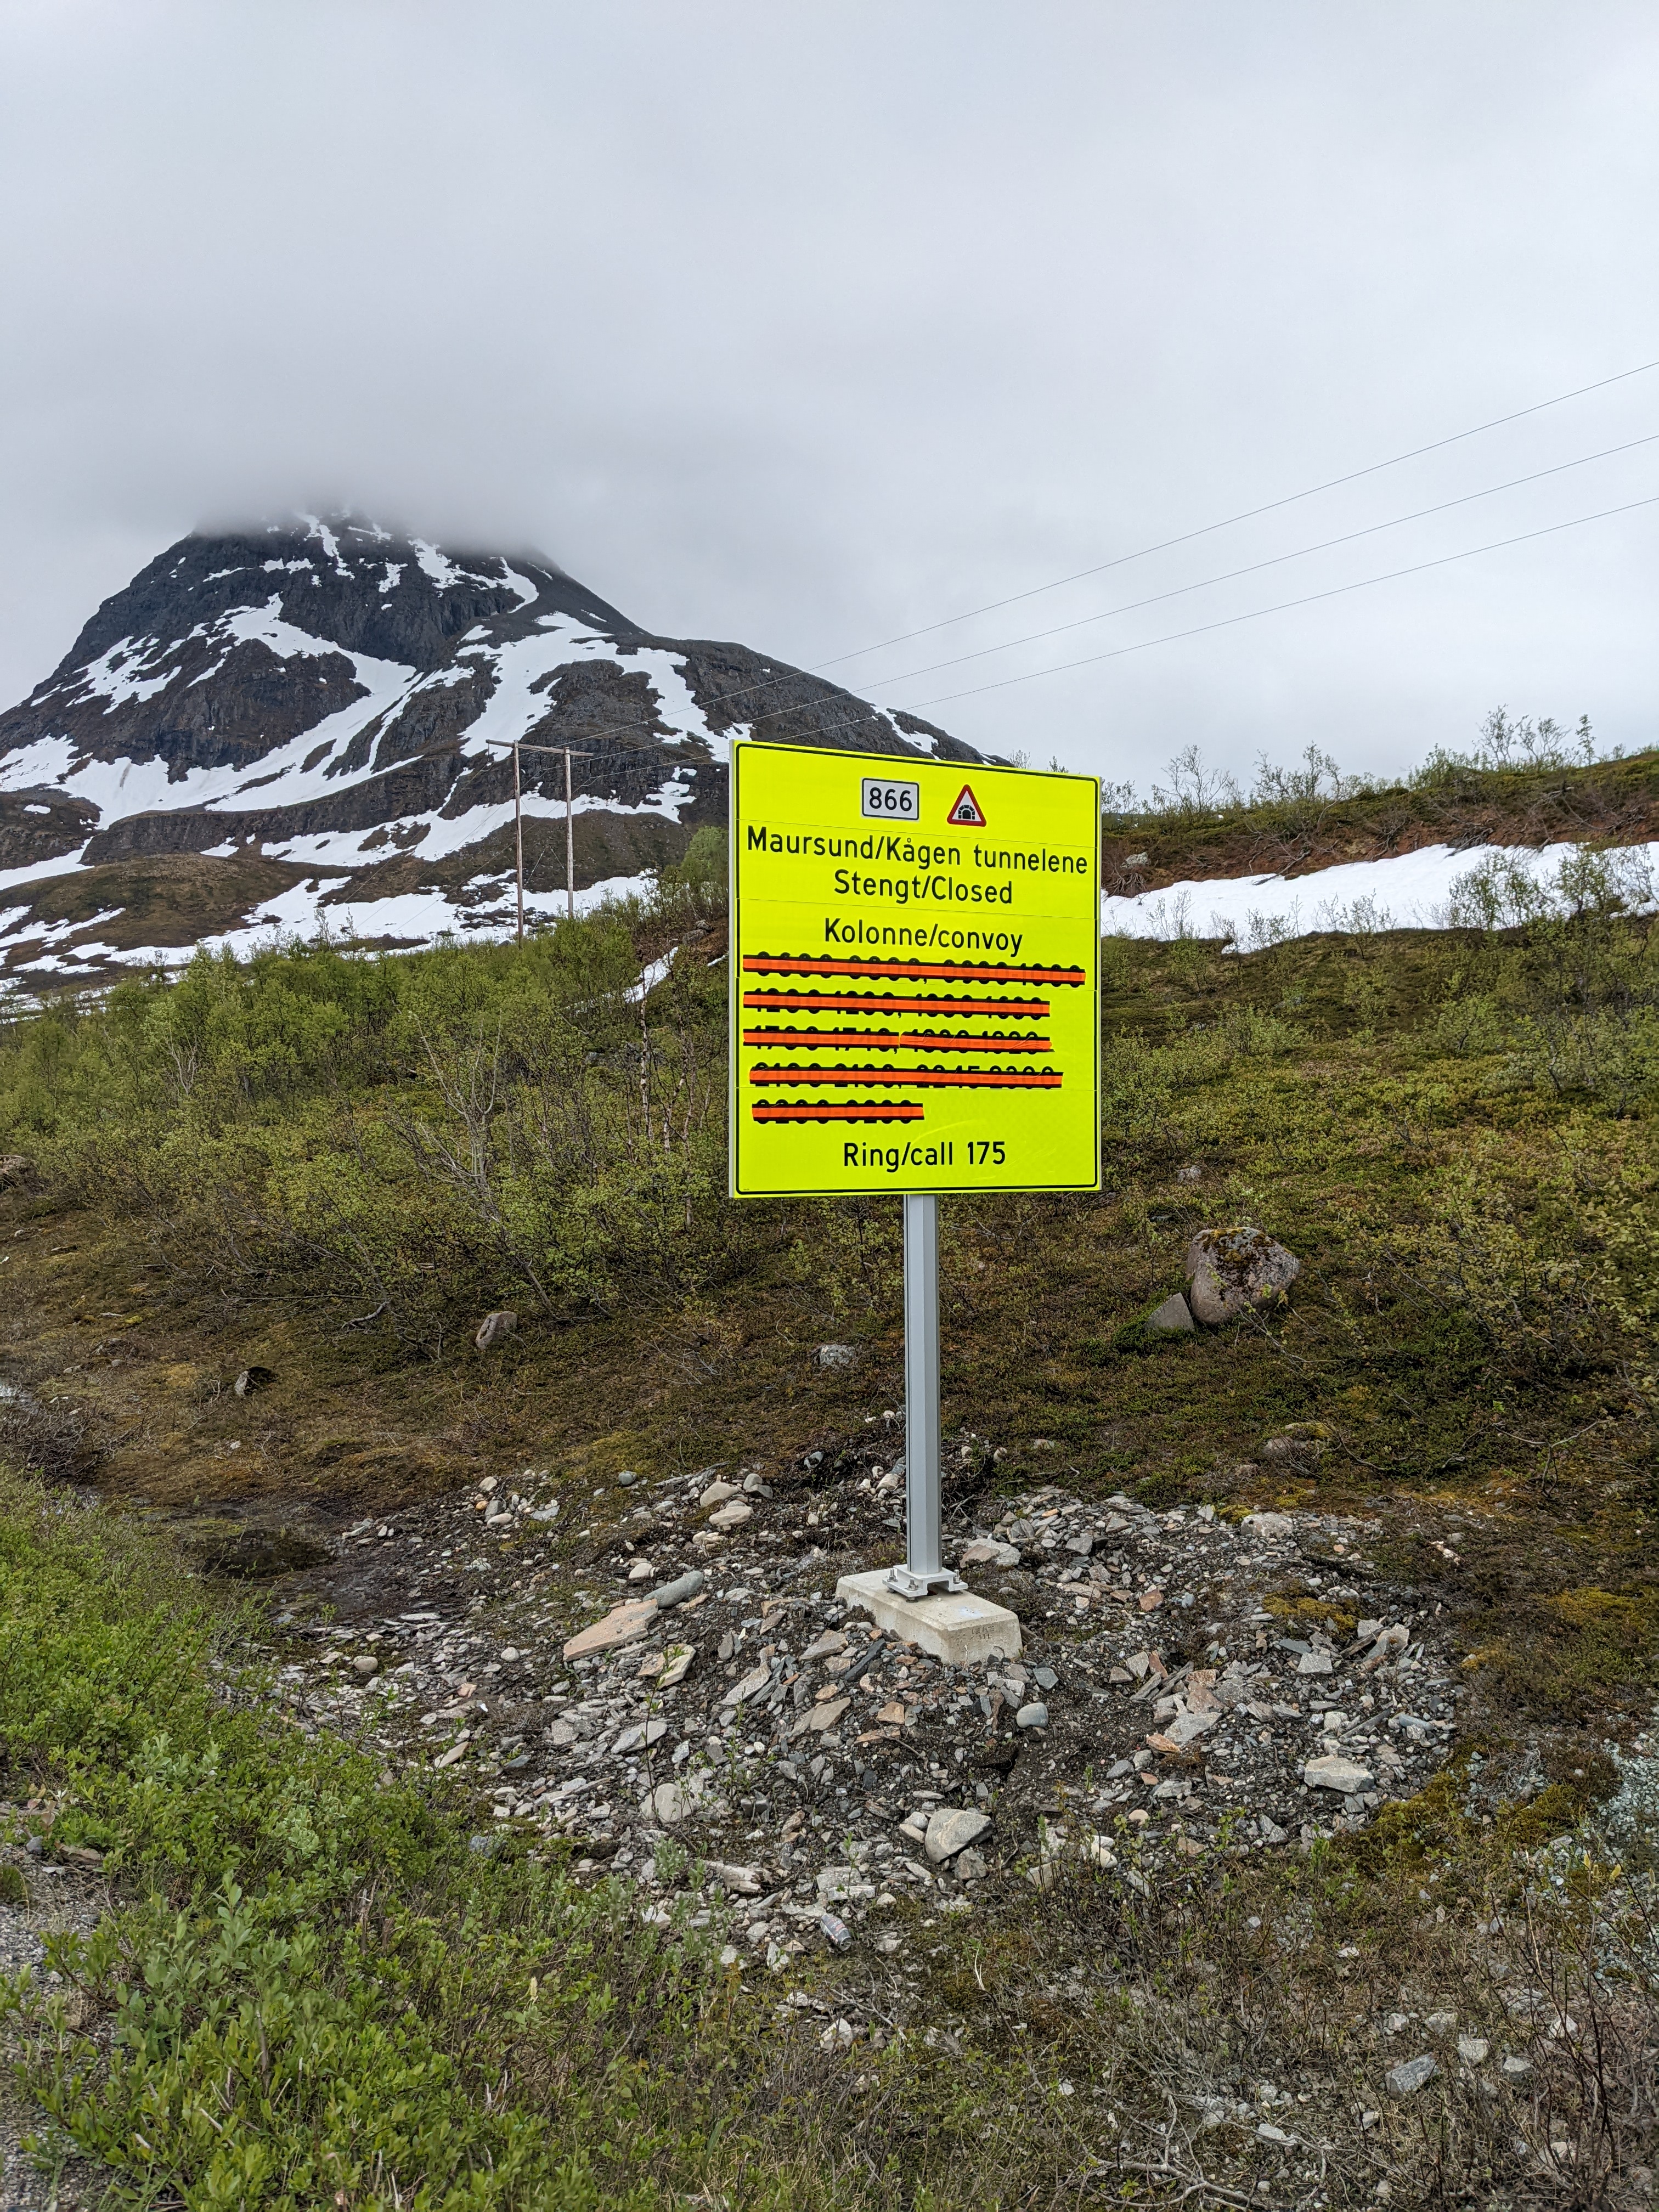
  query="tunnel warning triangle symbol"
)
[{"x": 967, "y": 813}]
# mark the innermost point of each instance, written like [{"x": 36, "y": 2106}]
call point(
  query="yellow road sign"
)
[{"x": 914, "y": 976}]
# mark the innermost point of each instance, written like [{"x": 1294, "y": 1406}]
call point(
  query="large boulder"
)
[{"x": 1232, "y": 1271}]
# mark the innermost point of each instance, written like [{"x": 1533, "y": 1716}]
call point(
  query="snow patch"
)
[
  {"x": 316, "y": 527},
  {"x": 40, "y": 872},
  {"x": 436, "y": 565},
  {"x": 105, "y": 679},
  {"x": 1410, "y": 890}
]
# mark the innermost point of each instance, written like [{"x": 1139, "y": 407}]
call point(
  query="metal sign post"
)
[{"x": 924, "y": 1572}]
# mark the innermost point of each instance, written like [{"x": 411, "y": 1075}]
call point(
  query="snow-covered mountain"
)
[{"x": 311, "y": 722}]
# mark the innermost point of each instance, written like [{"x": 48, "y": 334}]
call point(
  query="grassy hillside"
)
[
  {"x": 1526, "y": 782},
  {"x": 332, "y": 1165}
]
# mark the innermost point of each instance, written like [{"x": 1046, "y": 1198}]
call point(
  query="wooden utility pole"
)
[
  {"x": 570, "y": 754},
  {"x": 518, "y": 833},
  {"x": 569, "y": 845}
]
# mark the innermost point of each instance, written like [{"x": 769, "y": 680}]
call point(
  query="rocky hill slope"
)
[{"x": 310, "y": 721}]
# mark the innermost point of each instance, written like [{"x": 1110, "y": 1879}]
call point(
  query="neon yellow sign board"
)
[{"x": 914, "y": 976}]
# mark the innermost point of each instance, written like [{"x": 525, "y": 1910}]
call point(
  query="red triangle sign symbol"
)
[{"x": 967, "y": 813}]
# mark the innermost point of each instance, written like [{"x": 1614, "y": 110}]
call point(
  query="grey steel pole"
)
[
  {"x": 518, "y": 835},
  {"x": 924, "y": 1570},
  {"x": 569, "y": 845}
]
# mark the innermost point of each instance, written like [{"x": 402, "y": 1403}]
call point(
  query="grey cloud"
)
[{"x": 809, "y": 326}]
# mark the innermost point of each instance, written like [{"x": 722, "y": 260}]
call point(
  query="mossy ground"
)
[{"x": 332, "y": 1167}]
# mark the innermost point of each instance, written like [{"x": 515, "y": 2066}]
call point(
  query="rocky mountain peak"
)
[{"x": 318, "y": 713}]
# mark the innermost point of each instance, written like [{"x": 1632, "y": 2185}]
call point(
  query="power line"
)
[
  {"x": 1209, "y": 529},
  {"x": 1336, "y": 591},
  {"x": 1248, "y": 514},
  {"x": 1280, "y": 606},
  {"x": 1252, "y": 568}
]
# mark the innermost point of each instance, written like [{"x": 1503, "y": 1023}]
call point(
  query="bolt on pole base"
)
[{"x": 905, "y": 1582}]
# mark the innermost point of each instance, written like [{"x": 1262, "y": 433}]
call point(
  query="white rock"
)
[
  {"x": 1272, "y": 1527},
  {"x": 987, "y": 1552},
  {"x": 641, "y": 1572},
  {"x": 1472, "y": 2049},
  {"x": 951, "y": 1829},
  {"x": 717, "y": 1493},
  {"x": 1034, "y": 1716},
  {"x": 843, "y": 1885},
  {"x": 836, "y": 1355},
  {"x": 1410, "y": 2075},
  {"x": 676, "y": 1662},
  {"x": 640, "y": 1737},
  {"x": 733, "y": 1516},
  {"x": 822, "y": 1716},
  {"x": 751, "y": 1685},
  {"x": 1333, "y": 1771},
  {"x": 669, "y": 1804},
  {"x": 741, "y": 1880},
  {"x": 1187, "y": 1728},
  {"x": 1315, "y": 1662}
]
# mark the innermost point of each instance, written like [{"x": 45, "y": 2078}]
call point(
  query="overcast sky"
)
[{"x": 812, "y": 325}]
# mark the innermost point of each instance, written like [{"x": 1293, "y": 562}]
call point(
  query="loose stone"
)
[
  {"x": 623, "y": 1624},
  {"x": 669, "y": 1804},
  {"x": 1335, "y": 1772},
  {"x": 1173, "y": 1318},
  {"x": 987, "y": 1552},
  {"x": 680, "y": 1590},
  {"x": 1411, "y": 2076},
  {"x": 951, "y": 1829}
]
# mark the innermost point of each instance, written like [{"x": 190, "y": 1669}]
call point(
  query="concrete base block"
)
[{"x": 955, "y": 1626}]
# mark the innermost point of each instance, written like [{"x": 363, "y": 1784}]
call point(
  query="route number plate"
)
[{"x": 886, "y": 801}]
